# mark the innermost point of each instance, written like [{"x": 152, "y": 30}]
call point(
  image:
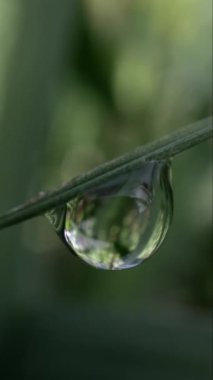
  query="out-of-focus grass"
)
[{"x": 74, "y": 93}]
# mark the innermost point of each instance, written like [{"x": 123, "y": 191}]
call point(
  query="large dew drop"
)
[{"x": 119, "y": 224}]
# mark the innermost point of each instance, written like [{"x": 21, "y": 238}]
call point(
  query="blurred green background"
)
[{"x": 82, "y": 82}]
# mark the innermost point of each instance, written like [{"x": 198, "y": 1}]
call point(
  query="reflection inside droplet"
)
[{"x": 119, "y": 224}]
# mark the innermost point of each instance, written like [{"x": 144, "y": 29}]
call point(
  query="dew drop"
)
[{"x": 119, "y": 224}]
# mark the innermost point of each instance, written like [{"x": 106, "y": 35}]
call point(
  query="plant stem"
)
[{"x": 165, "y": 148}]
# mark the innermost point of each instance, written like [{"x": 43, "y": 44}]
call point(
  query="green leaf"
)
[{"x": 165, "y": 148}]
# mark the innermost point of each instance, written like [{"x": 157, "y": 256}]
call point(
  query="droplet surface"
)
[{"x": 119, "y": 224}]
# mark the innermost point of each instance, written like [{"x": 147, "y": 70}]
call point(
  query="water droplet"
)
[{"x": 119, "y": 224}]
